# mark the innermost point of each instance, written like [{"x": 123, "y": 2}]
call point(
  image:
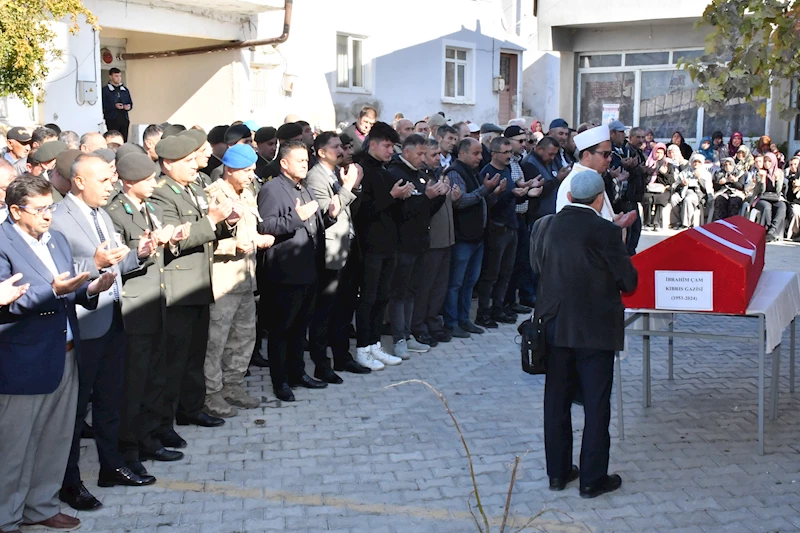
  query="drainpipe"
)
[{"x": 222, "y": 47}]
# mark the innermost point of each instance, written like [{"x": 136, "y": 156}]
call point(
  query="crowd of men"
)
[{"x": 183, "y": 252}]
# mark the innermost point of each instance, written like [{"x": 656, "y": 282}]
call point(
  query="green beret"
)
[
  {"x": 175, "y": 147},
  {"x": 197, "y": 136},
  {"x": 136, "y": 167},
  {"x": 107, "y": 154},
  {"x": 173, "y": 129},
  {"x": 129, "y": 148},
  {"x": 48, "y": 151},
  {"x": 64, "y": 162}
]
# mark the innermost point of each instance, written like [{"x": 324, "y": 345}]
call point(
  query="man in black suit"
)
[
  {"x": 290, "y": 212},
  {"x": 583, "y": 266}
]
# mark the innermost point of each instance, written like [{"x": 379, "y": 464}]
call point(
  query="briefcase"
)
[{"x": 532, "y": 346}]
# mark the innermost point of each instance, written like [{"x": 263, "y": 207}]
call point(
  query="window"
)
[
  {"x": 458, "y": 73},
  {"x": 352, "y": 68},
  {"x": 607, "y": 60},
  {"x": 647, "y": 58},
  {"x": 668, "y": 103},
  {"x": 606, "y": 91}
]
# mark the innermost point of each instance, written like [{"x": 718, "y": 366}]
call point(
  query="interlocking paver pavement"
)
[{"x": 362, "y": 458}]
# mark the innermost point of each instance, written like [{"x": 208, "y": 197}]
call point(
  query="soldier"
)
[
  {"x": 232, "y": 330},
  {"x": 187, "y": 269},
  {"x": 202, "y": 154},
  {"x": 143, "y": 310}
]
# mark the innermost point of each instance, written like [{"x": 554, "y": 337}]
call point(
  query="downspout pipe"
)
[{"x": 222, "y": 47}]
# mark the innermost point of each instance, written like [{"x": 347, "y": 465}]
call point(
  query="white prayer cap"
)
[{"x": 591, "y": 137}]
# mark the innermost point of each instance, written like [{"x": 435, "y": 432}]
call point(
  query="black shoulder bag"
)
[{"x": 532, "y": 344}]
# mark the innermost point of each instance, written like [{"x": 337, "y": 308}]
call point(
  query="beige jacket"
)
[{"x": 234, "y": 271}]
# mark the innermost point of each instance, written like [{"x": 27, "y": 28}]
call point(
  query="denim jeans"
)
[{"x": 465, "y": 269}]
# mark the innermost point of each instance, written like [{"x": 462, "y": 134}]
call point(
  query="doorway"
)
[{"x": 508, "y": 96}]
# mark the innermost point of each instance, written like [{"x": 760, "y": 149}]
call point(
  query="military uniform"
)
[
  {"x": 187, "y": 270},
  {"x": 232, "y": 329},
  {"x": 143, "y": 312}
]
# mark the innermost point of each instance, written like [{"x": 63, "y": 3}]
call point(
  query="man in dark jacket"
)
[
  {"x": 413, "y": 239},
  {"x": 117, "y": 103},
  {"x": 584, "y": 267},
  {"x": 376, "y": 228},
  {"x": 290, "y": 212}
]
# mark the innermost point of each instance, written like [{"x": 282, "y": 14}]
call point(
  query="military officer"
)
[
  {"x": 187, "y": 270},
  {"x": 202, "y": 154},
  {"x": 232, "y": 331},
  {"x": 143, "y": 310}
]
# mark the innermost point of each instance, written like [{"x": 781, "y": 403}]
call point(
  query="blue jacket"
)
[
  {"x": 115, "y": 95},
  {"x": 33, "y": 329}
]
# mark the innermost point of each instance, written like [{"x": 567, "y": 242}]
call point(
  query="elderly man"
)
[
  {"x": 38, "y": 371},
  {"x": 559, "y": 130},
  {"x": 232, "y": 327},
  {"x": 421, "y": 127},
  {"x": 359, "y": 130},
  {"x": 18, "y": 145},
  {"x": 584, "y": 267},
  {"x": 95, "y": 248},
  {"x": 92, "y": 141}
]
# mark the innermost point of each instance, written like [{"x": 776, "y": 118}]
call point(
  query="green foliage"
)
[
  {"x": 752, "y": 45},
  {"x": 26, "y": 42}
]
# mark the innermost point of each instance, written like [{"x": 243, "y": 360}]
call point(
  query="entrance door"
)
[{"x": 508, "y": 96}]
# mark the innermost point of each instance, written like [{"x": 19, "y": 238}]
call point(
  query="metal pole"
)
[
  {"x": 791, "y": 356},
  {"x": 646, "y": 362},
  {"x": 761, "y": 353},
  {"x": 670, "y": 344},
  {"x": 620, "y": 417},
  {"x": 773, "y": 402}
]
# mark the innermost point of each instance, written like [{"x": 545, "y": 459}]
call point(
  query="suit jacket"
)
[
  {"x": 33, "y": 329},
  {"x": 584, "y": 266},
  {"x": 83, "y": 242},
  {"x": 144, "y": 290},
  {"x": 297, "y": 256},
  {"x": 188, "y": 271},
  {"x": 337, "y": 237}
]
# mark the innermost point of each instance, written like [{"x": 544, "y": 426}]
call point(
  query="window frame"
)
[
  {"x": 469, "y": 71},
  {"x": 366, "y": 65}
]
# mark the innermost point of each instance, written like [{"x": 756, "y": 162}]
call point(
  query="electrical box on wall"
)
[
  {"x": 88, "y": 91},
  {"x": 498, "y": 84}
]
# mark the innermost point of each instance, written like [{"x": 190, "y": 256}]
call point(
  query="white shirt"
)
[
  {"x": 39, "y": 247},
  {"x": 87, "y": 211},
  {"x": 584, "y": 206},
  {"x": 3, "y": 214},
  {"x": 607, "y": 212},
  {"x": 445, "y": 160}
]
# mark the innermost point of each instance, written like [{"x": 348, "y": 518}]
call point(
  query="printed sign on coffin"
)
[{"x": 730, "y": 250}]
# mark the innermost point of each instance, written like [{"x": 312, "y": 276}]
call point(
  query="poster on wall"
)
[{"x": 610, "y": 113}]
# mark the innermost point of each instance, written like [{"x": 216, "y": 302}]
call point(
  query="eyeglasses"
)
[
  {"x": 505, "y": 152},
  {"x": 39, "y": 210},
  {"x": 605, "y": 153}
]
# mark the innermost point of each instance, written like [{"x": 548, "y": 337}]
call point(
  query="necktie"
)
[
  {"x": 147, "y": 218},
  {"x": 102, "y": 239}
]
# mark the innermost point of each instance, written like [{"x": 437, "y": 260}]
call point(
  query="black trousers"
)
[
  {"x": 320, "y": 331},
  {"x": 407, "y": 271},
  {"x": 287, "y": 310},
  {"x": 100, "y": 378},
  {"x": 143, "y": 407},
  {"x": 430, "y": 291},
  {"x": 121, "y": 125},
  {"x": 593, "y": 372},
  {"x": 375, "y": 290},
  {"x": 773, "y": 216},
  {"x": 186, "y": 341},
  {"x": 498, "y": 264}
]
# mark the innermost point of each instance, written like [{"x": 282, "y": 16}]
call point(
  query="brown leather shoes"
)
[{"x": 59, "y": 522}]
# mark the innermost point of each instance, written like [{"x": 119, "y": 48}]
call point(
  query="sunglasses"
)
[{"x": 605, "y": 153}]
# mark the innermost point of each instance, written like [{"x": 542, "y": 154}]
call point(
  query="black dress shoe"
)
[
  {"x": 161, "y": 454},
  {"x": 443, "y": 335},
  {"x": 284, "y": 393},
  {"x": 609, "y": 484},
  {"x": 427, "y": 339},
  {"x": 328, "y": 376},
  {"x": 123, "y": 476},
  {"x": 200, "y": 419},
  {"x": 352, "y": 367},
  {"x": 79, "y": 498},
  {"x": 469, "y": 327},
  {"x": 557, "y": 483},
  {"x": 484, "y": 321},
  {"x": 87, "y": 432},
  {"x": 503, "y": 317},
  {"x": 170, "y": 439},
  {"x": 351, "y": 331},
  {"x": 528, "y": 303},
  {"x": 520, "y": 309},
  {"x": 259, "y": 361},
  {"x": 136, "y": 467},
  {"x": 308, "y": 382}
]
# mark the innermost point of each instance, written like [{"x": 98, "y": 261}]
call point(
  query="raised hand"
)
[
  {"x": 101, "y": 284},
  {"x": 401, "y": 191},
  {"x": 236, "y": 214},
  {"x": 9, "y": 292},
  {"x": 335, "y": 207},
  {"x": 218, "y": 212},
  {"x": 63, "y": 284},
  {"x": 500, "y": 189},
  {"x": 455, "y": 193},
  {"x": 520, "y": 191},
  {"x": 148, "y": 243},
  {"x": 163, "y": 235},
  {"x": 264, "y": 241},
  {"x": 491, "y": 183},
  {"x": 180, "y": 233},
  {"x": 306, "y": 211},
  {"x": 351, "y": 178},
  {"x": 625, "y": 220},
  {"x": 104, "y": 258}
]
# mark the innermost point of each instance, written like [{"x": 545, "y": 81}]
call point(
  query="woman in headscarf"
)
[
  {"x": 718, "y": 145},
  {"x": 707, "y": 151},
  {"x": 659, "y": 188},
  {"x": 693, "y": 186},
  {"x": 536, "y": 126},
  {"x": 686, "y": 150},
  {"x": 735, "y": 143},
  {"x": 728, "y": 190},
  {"x": 778, "y": 154},
  {"x": 792, "y": 181},
  {"x": 743, "y": 159},
  {"x": 676, "y": 158},
  {"x": 649, "y": 143},
  {"x": 769, "y": 198}
]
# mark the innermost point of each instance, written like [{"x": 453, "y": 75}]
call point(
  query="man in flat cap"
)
[
  {"x": 584, "y": 267},
  {"x": 187, "y": 267},
  {"x": 18, "y": 145},
  {"x": 232, "y": 329},
  {"x": 559, "y": 130},
  {"x": 143, "y": 299}
]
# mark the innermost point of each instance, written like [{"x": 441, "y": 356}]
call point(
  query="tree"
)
[
  {"x": 26, "y": 42},
  {"x": 752, "y": 45}
]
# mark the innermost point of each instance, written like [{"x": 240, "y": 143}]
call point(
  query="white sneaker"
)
[
  {"x": 414, "y": 346},
  {"x": 364, "y": 358},
  {"x": 383, "y": 356},
  {"x": 401, "y": 350}
]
